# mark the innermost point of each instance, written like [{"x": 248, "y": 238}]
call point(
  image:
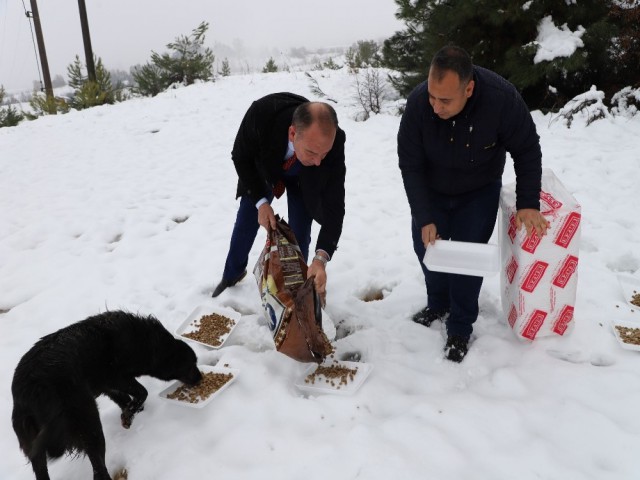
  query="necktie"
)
[{"x": 278, "y": 188}]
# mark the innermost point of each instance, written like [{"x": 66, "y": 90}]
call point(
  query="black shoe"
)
[
  {"x": 224, "y": 284},
  {"x": 456, "y": 348},
  {"x": 427, "y": 316}
]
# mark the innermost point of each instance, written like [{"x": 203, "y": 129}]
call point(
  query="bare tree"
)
[{"x": 371, "y": 91}]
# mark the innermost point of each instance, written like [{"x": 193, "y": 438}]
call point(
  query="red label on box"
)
[
  {"x": 512, "y": 227},
  {"x": 569, "y": 266},
  {"x": 550, "y": 201},
  {"x": 531, "y": 242},
  {"x": 563, "y": 321},
  {"x": 568, "y": 230},
  {"x": 533, "y": 324},
  {"x": 513, "y": 314},
  {"x": 512, "y": 267},
  {"x": 532, "y": 279}
]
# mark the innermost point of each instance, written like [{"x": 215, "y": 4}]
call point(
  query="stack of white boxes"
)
[{"x": 539, "y": 275}]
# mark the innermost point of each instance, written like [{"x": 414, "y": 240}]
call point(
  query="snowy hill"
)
[{"x": 131, "y": 206}]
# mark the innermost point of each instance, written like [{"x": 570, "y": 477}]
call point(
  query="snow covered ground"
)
[{"x": 131, "y": 206}]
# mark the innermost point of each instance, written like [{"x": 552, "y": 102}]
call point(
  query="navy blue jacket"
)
[
  {"x": 259, "y": 150},
  {"x": 468, "y": 151}
]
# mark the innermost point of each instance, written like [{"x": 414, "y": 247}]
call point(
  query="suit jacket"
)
[
  {"x": 259, "y": 151},
  {"x": 468, "y": 151}
]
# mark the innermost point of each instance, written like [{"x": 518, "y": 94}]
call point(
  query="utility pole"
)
[
  {"x": 43, "y": 56},
  {"x": 88, "y": 52}
]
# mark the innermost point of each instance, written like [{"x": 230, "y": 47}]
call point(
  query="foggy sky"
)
[{"x": 123, "y": 32}]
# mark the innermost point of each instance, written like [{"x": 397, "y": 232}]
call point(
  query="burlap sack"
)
[{"x": 289, "y": 300}]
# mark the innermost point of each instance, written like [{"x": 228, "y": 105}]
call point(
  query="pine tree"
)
[
  {"x": 87, "y": 93},
  {"x": 363, "y": 54},
  {"x": 187, "y": 61},
  {"x": 500, "y": 35},
  {"x": 270, "y": 66},
  {"x": 9, "y": 116},
  {"x": 626, "y": 48},
  {"x": 226, "y": 69}
]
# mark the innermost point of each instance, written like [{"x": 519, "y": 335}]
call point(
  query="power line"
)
[{"x": 33, "y": 39}]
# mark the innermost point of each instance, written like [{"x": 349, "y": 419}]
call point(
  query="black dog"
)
[{"x": 56, "y": 382}]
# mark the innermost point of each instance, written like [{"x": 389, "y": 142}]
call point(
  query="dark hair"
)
[
  {"x": 323, "y": 114},
  {"x": 455, "y": 59}
]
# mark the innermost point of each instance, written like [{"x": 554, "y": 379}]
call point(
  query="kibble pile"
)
[
  {"x": 210, "y": 329},
  {"x": 629, "y": 335},
  {"x": 211, "y": 382},
  {"x": 335, "y": 375},
  {"x": 636, "y": 299}
]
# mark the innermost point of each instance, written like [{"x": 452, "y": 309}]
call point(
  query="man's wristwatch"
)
[{"x": 321, "y": 258}]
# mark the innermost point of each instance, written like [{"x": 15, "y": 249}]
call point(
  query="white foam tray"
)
[
  {"x": 464, "y": 258},
  {"x": 622, "y": 323},
  {"x": 189, "y": 324},
  {"x": 207, "y": 369},
  {"x": 630, "y": 286},
  {"x": 321, "y": 386}
]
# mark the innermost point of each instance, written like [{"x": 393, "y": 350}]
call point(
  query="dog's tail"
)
[
  {"x": 27, "y": 430},
  {"x": 35, "y": 436}
]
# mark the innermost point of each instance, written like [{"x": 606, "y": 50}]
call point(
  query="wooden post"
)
[
  {"x": 48, "y": 88},
  {"x": 88, "y": 52}
]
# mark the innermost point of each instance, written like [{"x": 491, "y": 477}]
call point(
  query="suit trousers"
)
[
  {"x": 468, "y": 217},
  {"x": 246, "y": 228}
]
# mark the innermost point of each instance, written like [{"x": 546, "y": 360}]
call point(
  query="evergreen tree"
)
[
  {"x": 187, "y": 61},
  {"x": 226, "y": 69},
  {"x": 270, "y": 66},
  {"x": 331, "y": 65},
  {"x": 363, "y": 54},
  {"x": 87, "y": 93},
  {"x": 9, "y": 116},
  {"x": 626, "y": 48},
  {"x": 501, "y": 35}
]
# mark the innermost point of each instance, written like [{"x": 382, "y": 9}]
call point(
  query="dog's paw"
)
[
  {"x": 126, "y": 419},
  {"x": 127, "y": 415}
]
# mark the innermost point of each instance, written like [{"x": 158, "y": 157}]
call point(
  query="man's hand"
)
[
  {"x": 429, "y": 234},
  {"x": 266, "y": 217},
  {"x": 532, "y": 219},
  {"x": 317, "y": 269}
]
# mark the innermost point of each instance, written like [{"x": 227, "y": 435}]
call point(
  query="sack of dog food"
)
[
  {"x": 290, "y": 303},
  {"x": 539, "y": 276}
]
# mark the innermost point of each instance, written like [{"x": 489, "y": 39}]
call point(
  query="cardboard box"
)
[{"x": 539, "y": 276}]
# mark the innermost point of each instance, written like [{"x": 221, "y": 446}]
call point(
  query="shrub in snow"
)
[
  {"x": 41, "y": 105},
  {"x": 314, "y": 87},
  {"x": 588, "y": 105},
  {"x": 9, "y": 116},
  {"x": 371, "y": 92},
  {"x": 626, "y": 102}
]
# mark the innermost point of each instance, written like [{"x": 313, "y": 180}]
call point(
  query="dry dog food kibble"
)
[
  {"x": 629, "y": 335},
  {"x": 210, "y": 329},
  {"x": 211, "y": 383},
  {"x": 335, "y": 375}
]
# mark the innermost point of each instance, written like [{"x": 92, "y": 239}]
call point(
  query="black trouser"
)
[{"x": 469, "y": 217}]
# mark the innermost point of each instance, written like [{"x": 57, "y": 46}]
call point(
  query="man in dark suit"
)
[{"x": 286, "y": 142}]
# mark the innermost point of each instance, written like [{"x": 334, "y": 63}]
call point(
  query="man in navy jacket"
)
[
  {"x": 452, "y": 144},
  {"x": 274, "y": 129}
]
